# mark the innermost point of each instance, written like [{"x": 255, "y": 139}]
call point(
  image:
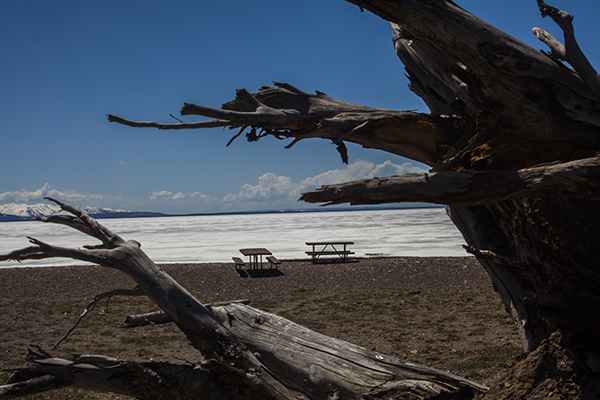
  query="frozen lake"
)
[{"x": 217, "y": 238}]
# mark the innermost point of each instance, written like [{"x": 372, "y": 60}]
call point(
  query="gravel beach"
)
[
  {"x": 437, "y": 311},
  {"x": 216, "y": 280}
]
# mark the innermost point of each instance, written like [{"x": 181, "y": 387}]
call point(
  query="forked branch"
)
[{"x": 571, "y": 52}]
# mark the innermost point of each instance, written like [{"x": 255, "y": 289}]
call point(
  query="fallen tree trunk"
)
[{"x": 324, "y": 367}]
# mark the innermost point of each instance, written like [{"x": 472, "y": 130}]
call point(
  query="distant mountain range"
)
[{"x": 24, "y": 212}]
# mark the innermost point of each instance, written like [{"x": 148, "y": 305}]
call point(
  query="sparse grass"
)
[{"x": 493, "y": 356}]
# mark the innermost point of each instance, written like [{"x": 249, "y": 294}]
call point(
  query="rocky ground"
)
[{"x": 437, "y": 311}]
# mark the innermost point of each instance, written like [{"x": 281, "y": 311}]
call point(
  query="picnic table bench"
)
[
  {"x": 273, "y": 262},
  {"x": 329, "y": 248},
  {"x": 239, "y": 264}
]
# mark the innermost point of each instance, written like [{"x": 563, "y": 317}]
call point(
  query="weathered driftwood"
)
[
  {"x": 324, "y": 367},
  {"x": 247, "y": 352},
  {"x": 151, "y": 318}
]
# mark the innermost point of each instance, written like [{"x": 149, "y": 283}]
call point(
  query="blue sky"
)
[{"x": 67, "y": 64}]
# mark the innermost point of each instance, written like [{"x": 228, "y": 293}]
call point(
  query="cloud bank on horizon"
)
[{"x": 272, "y": 192}]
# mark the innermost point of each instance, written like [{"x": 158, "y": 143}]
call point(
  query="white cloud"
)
[
  {"x": 25, "y": 196},
  {"x": 390, "y": 169},
  {"x": 168, "y": 195},
  {"x": 359, "y": 170},
  {"x": 270, "y": 187},
  {"x": 282, "y": 192},
  {"x": 179, "y": 202},
  {"x": 129, "y": 162}
]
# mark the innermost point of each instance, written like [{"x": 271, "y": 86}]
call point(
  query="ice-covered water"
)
[{"x": 402, "y": 232}]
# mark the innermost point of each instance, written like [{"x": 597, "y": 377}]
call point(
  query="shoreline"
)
[
  {"x": 222, "y": 281},
  {"x": 291, "y": 260},
  {"x": 16, "y": 264}
]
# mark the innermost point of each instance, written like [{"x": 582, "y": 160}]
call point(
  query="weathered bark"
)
[{"x": 247, "y": 353}]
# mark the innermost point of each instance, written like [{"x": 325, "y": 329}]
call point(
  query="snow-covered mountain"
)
[
  {"x": 20, "y": 212},
  {"x": 23, "y": 210}
]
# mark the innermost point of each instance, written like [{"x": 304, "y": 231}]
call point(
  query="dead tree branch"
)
[
  {"x": 287, "y": 112},
  {"x": 151, "y": 124},
  {"x": 572, "y": 51},
  {"x": 92, "y": 304},
  {"x": 576, "y": 179}
]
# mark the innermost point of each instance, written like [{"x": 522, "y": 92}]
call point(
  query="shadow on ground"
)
[{"x": 259, "y": 273}]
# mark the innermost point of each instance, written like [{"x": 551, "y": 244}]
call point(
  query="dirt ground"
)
[{"x": 437, "y": 311}]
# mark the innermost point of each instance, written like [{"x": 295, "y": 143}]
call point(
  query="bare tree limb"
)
[
  {"x": 285, "y": 111},
  {"x": 158, "y": 125},
  {"x": 557, "y": 49},
  {"x": 87, "y": 225},
  {"x": 199, "y": 324},
  {"x": 492, "y": 257},
  {"x": 576, "y": 179},
  {"x": 92, "y": 304},
  {"x": 43, "y": 250},
  {"x": 573, "y": 53}
]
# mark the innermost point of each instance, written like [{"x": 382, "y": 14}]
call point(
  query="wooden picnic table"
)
[
  {"x": 326, "y": 248},
  {"x": 254, "y": 254}
]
